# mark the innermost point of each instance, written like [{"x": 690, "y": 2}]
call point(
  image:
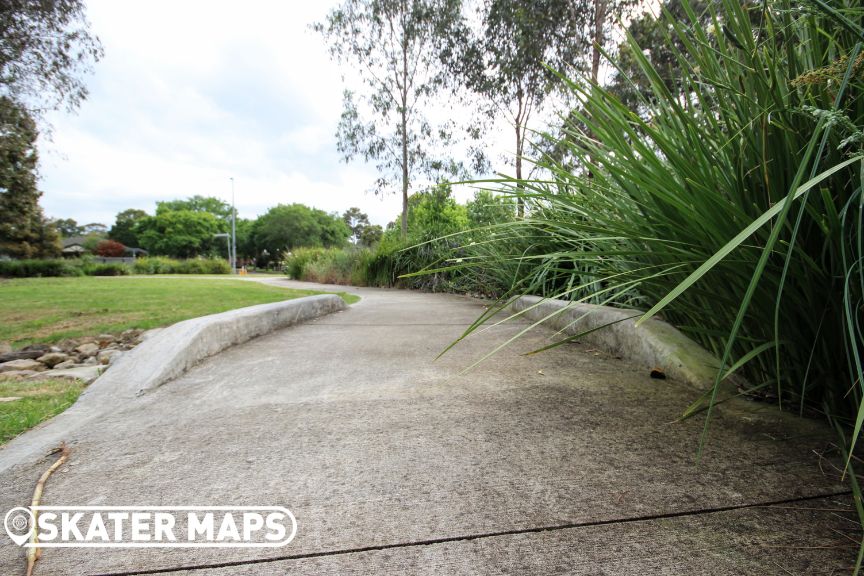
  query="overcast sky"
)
[{"x": 191, "y": 93}]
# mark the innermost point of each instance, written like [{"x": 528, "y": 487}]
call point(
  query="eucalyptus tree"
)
[
  {"x": 507, "y": 58},
  {"x": 395, "y": 48},
  {"x": 46, "y": 49}
]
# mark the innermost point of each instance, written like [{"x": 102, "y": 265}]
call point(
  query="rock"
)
[
  {"x": 17, "y": 374},
  {"x": 51, "y": 359},
  {"x": 104, "y": 339},
  {"x": 22, "y": 364},
  {"x": 86, "y": 373},
  {"x": 89, "y": 349},
  {"x": 5, "y": 348},
  {"x": 9, "y": 398},
  {"x": 20, "y": 355},
  {"x": 108, "y": 355},
  {"x": 56, "y": 349},
  {"x": 37, "y": 347},
  {"x": 67, "y": 364},
  {"x": 91, "y": 361}
]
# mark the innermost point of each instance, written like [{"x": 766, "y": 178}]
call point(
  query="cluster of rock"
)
[{"x": 79, "y": 359}]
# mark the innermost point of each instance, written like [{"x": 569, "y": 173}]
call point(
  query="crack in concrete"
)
[{"x": 469, "y": 537}]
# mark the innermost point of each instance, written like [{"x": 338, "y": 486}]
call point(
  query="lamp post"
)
[{"x": 233, "y": 231}]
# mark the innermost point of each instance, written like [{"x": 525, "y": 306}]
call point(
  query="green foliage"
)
[
  {"x": 90, "y": 306},
  {"x": 123, "y": 230},
  {"x": 24, "y": 230},
  {"x": 333, "y": 266},
  {"x": 731, "y": 204},
  {"x": 435, "y": 213},
  {"x": 38, "y": 401},
  {"x": 371, "y": 235},
  {"x": 657, "y": 37},
  {"x": 432, "y": 214},
  {"x": 205, "y": 204},
  {"x": 328, "y": 265},
  {"x": 356, "y": 221},
  {"x": 46, "y": 47},
  {"x": 395, "y": 47},
  {"x": 68, "y": 227},
  {"x": 38, "y": 268},
  {"x": 86, "y": 267},
  {"x": 246, "y": 248},
  {"x": 507, "y": 62},
  {"x": 487, "y": 208},
  {"x": 287, "y": 227},
  {"x": 295, "y": 262},
  {"x": 162, "y": 265},
  {"x": 179, "y": 234},
  {"x": 95, "y": 269}
]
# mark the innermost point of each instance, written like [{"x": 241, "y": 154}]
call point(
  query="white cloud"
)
[{"x": 191, "y": 93}]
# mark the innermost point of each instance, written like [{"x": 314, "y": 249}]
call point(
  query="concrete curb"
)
[
  {"x": 652, "y": 344},
  {"x": 162, "y": 358}
]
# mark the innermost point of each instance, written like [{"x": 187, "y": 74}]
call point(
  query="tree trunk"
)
[
  {"x": 599, "y": 20},
  {"x": 597, "y": 44},
  {"x": 404, "y": 177},
  {"x": 520, "y": 203},
  {"x": 404, "y": 115},
  {"x": 521, "y": 119}
]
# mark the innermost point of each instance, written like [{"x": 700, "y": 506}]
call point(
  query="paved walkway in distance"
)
[{"x": 566, "y": 462}]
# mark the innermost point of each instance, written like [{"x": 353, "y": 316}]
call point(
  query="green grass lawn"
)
[
  {"x": 37, "y": 402},
  {"x": 43, "y": 310}
]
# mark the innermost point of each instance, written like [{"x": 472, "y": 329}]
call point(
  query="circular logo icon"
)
[{"x": 19, "y": 524}]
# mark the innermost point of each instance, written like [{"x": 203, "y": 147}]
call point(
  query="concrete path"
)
[{"x": 393, "y": 463}]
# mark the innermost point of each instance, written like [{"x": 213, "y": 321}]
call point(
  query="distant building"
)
[{"x": 75, "y": 246}]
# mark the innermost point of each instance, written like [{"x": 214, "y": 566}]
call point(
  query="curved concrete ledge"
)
[
  {"x": 161, "y": 358},
  {"x": 652, "y": 344}
]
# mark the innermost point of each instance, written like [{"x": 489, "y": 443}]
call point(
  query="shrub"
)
[
  {"x": 297, "y": 260},
  {"x": 153, "y": 265},
  {"x": 110, "y": 249},
  {"x": 163, "y": 265},
  {"x": 325, "y": 265},
  {"x": 734, "y": 206},
  {"x": 107, "y": 270},
  {"x": 38, "y": 268}
]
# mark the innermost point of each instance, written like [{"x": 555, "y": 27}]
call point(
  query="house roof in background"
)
[{"x": 74, "y": 241}]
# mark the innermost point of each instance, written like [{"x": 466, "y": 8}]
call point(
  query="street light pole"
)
[{"x": 233, "y": 231}]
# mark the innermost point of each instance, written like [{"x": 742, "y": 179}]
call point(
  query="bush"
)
[
  {"x": 153, "y": 265},
  {"x": 296, "y": 261},
  {"x": 163, "y": 265},
  {"x": 107, "y": 270},
  {"x": 110, "y": 249},
  {"x": 734, "y": 205},
  {"x": 86, "y": 267},
  {"x": 325, "y": 265},
  {"x": 38, "y": 268}
]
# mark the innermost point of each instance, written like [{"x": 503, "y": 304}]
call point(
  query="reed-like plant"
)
[{"x": 732, "y": 207}]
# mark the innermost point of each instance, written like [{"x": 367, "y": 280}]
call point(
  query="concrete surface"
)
[
  {"x": 654, "y": 343},
  {"x": 161, "y": 357},
  {"x": 562, "y": 463}
]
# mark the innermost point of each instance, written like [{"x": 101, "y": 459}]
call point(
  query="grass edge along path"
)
[
  {"x": 33, "y": 403},
  {"x": 47, "y": 310}
]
